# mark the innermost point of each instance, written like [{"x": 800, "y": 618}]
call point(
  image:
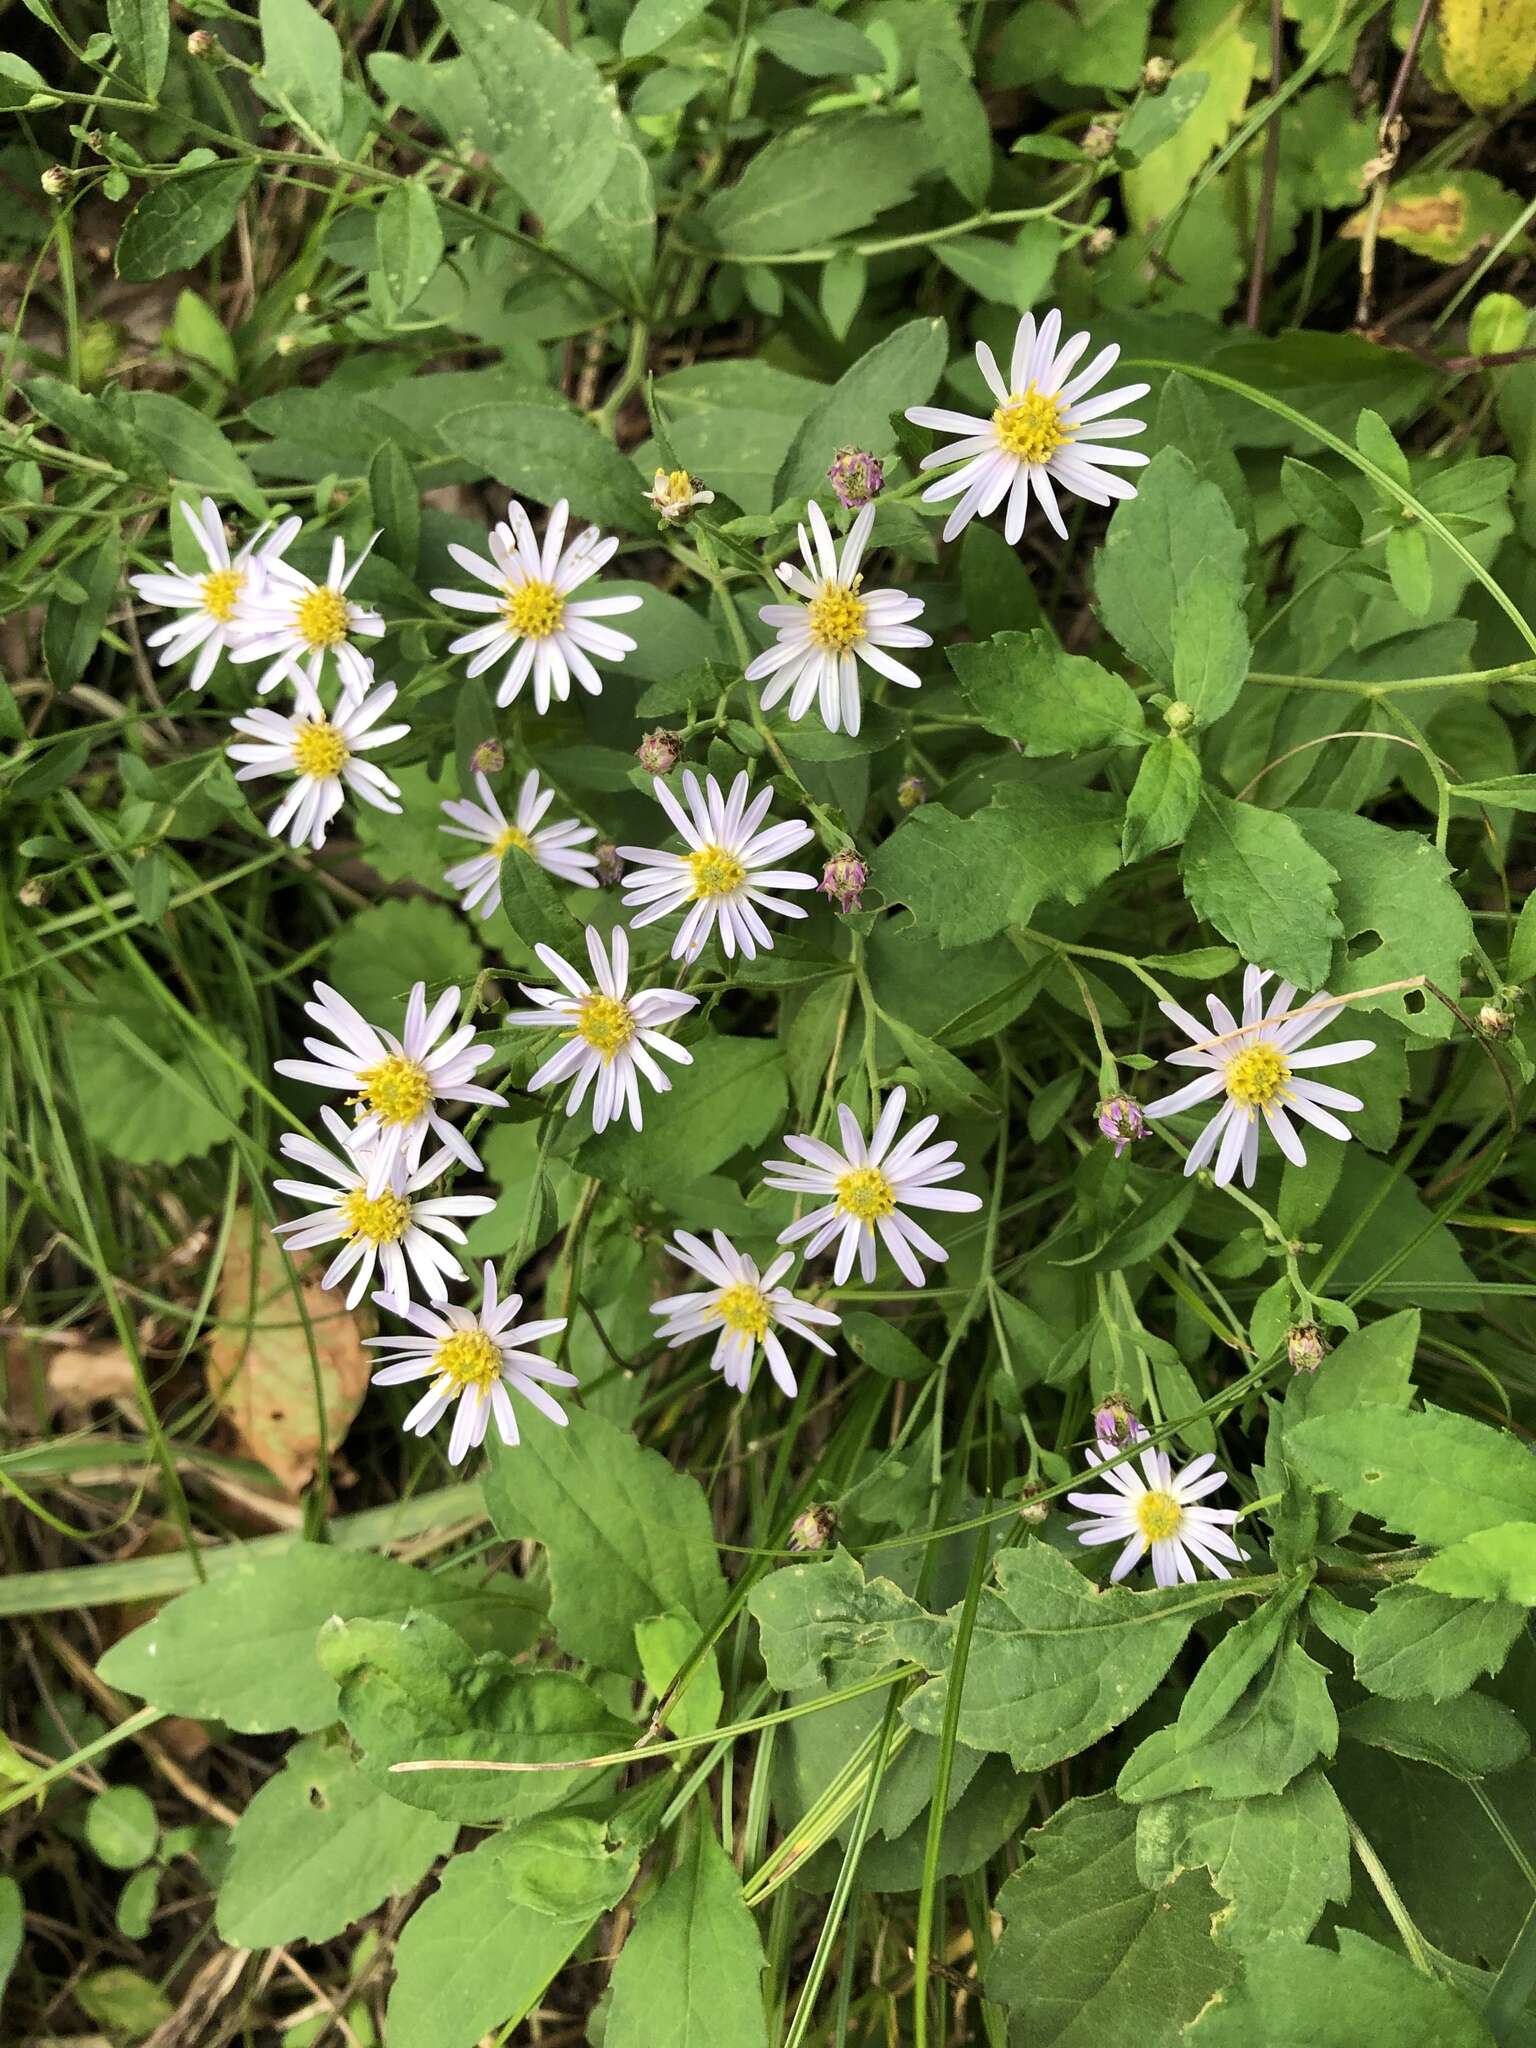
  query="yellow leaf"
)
[
  {"x": 260, "y": 1371},
  {"x": 1488, "y": 49},
  {"x": 1156, "y": 186}
]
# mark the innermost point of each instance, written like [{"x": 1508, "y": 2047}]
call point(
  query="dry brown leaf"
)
[
  {"x": 260, "y": 1372},
  {"x": 82, "y": 1375}
]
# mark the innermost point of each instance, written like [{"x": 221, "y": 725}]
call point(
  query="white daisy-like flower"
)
[
  {"x": 480, "y": 1361},
  {"x": 392, "y": 1230},
  {"x": 822, "y": 640},
  {"x": 727, "y": 872},
  {"x": 740, "y": 1306},
  {"x": 211, "y": 622},
  {"x": 556, "y": 848},
  {"x": 292, "y": 623},
  {"x": 1045, "y": 431},
  {"x": 1259, "y": 1067},
  {"x": 399, "y": 1085},
  {"x": 535, "y": 618},
  {"x": 868, "y": 1186},
  {"x": 611, "y": 1034},
  {"x": 1159, "y": 1510},
  {"x": 322, "y": 752}
]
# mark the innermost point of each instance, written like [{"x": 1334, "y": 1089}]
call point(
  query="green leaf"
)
[
  {"x": 157, "y": 1096},
  {"x": 93, "y": 427},
  {"x": 241, "y": 1648},
  {"x": 1444, "y": 215},
  {"x": 1490, "y": 1564},
  {"x": 1088, "y": 1958},
  {"x": 12, "y": 1927},
  {"x": 1023, "y": 687},
  {"x": 142, "y": 31},
  {"x": 1210, "y": 642},
  {"x": 178, "y": 221},
  {"x": 1373, "y": 1367},
  {"x": 413, "y": 1691},
  {"x": 664, "y": 1645},
  {"x": 121, "y": 1827},
  {"x": 72, "y": 631},
  {"x": 1501, "y": 792},
  {"x": 1376, "y": 441},
  {"x": 122, "y": 2001},
  {"x": 374, "y": 959},
  {"x": 843, "y": 282},
  {"x": 1522, "y": 948},
  {"x": 1277, "y": 1861},
  {"x": 1162, "y": 799},
  {"x": 628, "y": 1537},
  {"x": 1435, "y": 1476},
  {"x": 410, "y": 242},
  {"x": 1413, "y": 582},
  {"x": 479, "y": 1953},
  {"x": 1225, "y": 56},
  {"x": 191, "y": 447},
  {"x": 1155, "y": 543},
  {"x": 818, "y": 45},
  {"x": 1319, "y": 503},
  {"x": 545, "y": 453},
  {"x": 883, "y": 1348},
  {"x": 945, "y": 1083},
  {"x": 650, "y": 23},
  {"x": 825, "y": 1625},
  {"x": 1298, "y": 1996},
  {"x": 395, "y": 498},
  {"x": 301, "y": 60},
  {"x": 689, "y": 1974},
  {"x": 22, "y": 85},
  {"x": 902, "y": 369},
  {"x": 731, "y": 1097},
  {"x": 1035, "y": 843},
  {"x": 955, "y": 123},
  {"x": 1056, "y": 1662},
  {"x": 318, "y": 1847},
  {"x": 1415, "y": 1644},
  {"x": 1252, "y": 874},
  {"x": 816, "y": 183},
  {"x": 1470, "y": 1737},
  {"x": 1157, "y": 117}
]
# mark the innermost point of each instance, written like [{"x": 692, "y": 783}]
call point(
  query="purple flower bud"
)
[
  {"x": 1115, "y": 1424},
  {"x": 659, "y": 752},
  {"x": 1306, "y": 1347},
  {"x": 609, "y": 866},
  {"x": 813, "y": 1530},
  {"x": 843, "y": 879},
  {"x": 911, "y": 791},
  {"x": 857, "y": 477},
  {"x": 1122, "y": 1121},
  {"x": 489, "y": 758}
]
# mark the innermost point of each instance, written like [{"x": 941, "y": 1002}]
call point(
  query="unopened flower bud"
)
[
  {"x": 488, "y": 758},
  {"x": 1179, "y": 716},
  {"x": 1096, "y": 246},
  {"x": 1097, "y": 140},
  {"x": 56, "y": 181},
  {"x": 843, "y": 879},
  {"x": 813, "y": 1530},
  {"x": 203, "y": 43},
  {"x": 32, "y": 894},
  {"x": 1122, "y": 1121},
  {"x": 856, "y": 477},
  {"x": 659, "y": 752},
  {"x": 911, "y": 791},
  {"x": 1115, "y": 1424},
  {"x": 1494, "y": 1021},
  {"x": 1306, "y": 1347},
  {"x": 1155, "y": 73},
  {"x": 287, "y": 344},
  {"x": 675, "y": 494},
  {"x": 609, "y": 866},
  {"x": 1030, "y": 1509}
]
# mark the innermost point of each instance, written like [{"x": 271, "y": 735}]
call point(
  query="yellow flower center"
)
[
  {"x": 865, "y": 1192},
  {"x": 1257, "y": 1076},
  {"x": 715, "y": 872},
  {"x": 534, "y": 608},
  {"x": 321, "y": 618},
  {"x": 469, "y": 1358},
  {"x": 605, "y": 1023},
  {"x": 382, "y": 1219},
  {"x": 504, "y": 842},
  {"x": 319, "y": 749},
  {"x": 221, "y": 592},
  {"x": 744, "y": 1309},
  {"x": 396, "y": 1090},
  {"x": 1030, "y": 427},
  {"x": 838, "y": 616},
  {"x": 1158, "y": 1516}
]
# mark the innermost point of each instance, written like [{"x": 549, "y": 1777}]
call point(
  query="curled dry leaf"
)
[
  {"x": 260, "y": 1371},
  {"x": 78, "y": 1376}
]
